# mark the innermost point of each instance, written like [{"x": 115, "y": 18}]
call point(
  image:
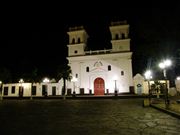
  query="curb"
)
[
  {"x": 174, "y": 114},
  {"x": 78, "y": 97}
]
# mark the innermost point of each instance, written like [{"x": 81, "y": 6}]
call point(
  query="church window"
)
[
  {"x": 122, "y": 72},
  {"x": 75, "y": 51},
  {"x": 76, "y": 75},
  {"x": 87, "y": 69},
  {"x": 117, "y": 36},
  {"x": 109, "y": 67},
  {"x": 123, "y": 36},
  {"x": 79, "y": 40},
  {"x": 73, "y": 41}
]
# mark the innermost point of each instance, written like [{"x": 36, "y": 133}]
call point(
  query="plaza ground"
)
[
  {"x": 173, "y": 108},
  {"x": 84, "y": 116}
]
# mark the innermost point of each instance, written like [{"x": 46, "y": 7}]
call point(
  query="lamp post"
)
[
  {"x": 178, "y": 78},
  {"x": 115, "y": 86},
  {"x": 46, "y": 80},
  {"x": 164, "y": 65},
  {"x": 1, "y": 90},
  {"x": 148, "y": 76},
  {"x": 21, "y": 87},
  {"x": 74, "y": 80}
]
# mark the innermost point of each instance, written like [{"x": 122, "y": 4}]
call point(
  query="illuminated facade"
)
[
  {"x": 100, "y": 72},
  {"x": 34, "y": 90}
]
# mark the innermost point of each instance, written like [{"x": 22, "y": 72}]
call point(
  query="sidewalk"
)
[
  {"x": 112, "y": 96},
  {"x": 174, "y": 106}
]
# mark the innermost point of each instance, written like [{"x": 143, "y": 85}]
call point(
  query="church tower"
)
[
  {"x": 120, "y": 36},
  {"x": 77, "y": 41}
]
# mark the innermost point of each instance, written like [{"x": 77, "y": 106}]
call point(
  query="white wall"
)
[
  {"x": 118, "y": 62},
  {"x": 177, "y": 82},
  {"x": 27, "y": 88}
]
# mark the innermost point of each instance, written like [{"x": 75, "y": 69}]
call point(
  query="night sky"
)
[{"x": 40, "y": 41}]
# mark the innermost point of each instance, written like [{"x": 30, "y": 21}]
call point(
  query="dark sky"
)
[{"x": 40, "y": 41}]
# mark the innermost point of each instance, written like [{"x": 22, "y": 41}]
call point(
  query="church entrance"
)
[{"x": 99, "y": 86}]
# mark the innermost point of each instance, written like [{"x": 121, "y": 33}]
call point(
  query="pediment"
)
[{"x": 98, "y": 69}]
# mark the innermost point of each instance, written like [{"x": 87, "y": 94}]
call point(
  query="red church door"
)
[{"x": 98, "y": 86}]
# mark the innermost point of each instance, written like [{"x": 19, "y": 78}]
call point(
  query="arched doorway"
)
[{"x": 99, "y": 86}]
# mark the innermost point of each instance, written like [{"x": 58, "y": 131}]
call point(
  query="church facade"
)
[{"x": 100, "y": 72}]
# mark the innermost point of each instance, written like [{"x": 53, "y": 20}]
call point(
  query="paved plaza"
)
[{"x": 84, "y": 117}]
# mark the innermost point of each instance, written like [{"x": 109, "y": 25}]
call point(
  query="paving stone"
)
[
  {"x": 142, "y": 126},
  {"x": 148, "y": 116},
  {"x": 174, "y": 128},
  {"x": 151, "y": 124},
  {"x": 172, "y": 132},
  {"x": 153, "y": 131},
  {"x": 85, "y": 117}
]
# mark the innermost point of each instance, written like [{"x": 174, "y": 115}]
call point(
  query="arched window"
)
[
  {"x": 122, "y": 72},
  {"x": 87, "y": 69},
  {"x": 109, "y": 67},
  {"x": 79, "y": 40},
  {"x": 123, "y": 36},
  {"x": 117, "y": 36},
  {"x": 73, "y": 41}
]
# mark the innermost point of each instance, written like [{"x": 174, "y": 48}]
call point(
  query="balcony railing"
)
[{"x": 98, "y": 52}]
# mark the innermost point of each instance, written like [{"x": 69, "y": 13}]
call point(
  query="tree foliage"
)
[
  {"x": 5, "y": 75},
  {"x": 64, "y": 72}
]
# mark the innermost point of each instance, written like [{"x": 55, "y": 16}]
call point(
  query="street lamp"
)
[
  {"x": 164, "y": 65},
  {"x": 46, "y": 80},
  {"x": 115, "y": 87},
  {"x": 21, "y": 81},
  {"x": 21, "y": 88},
  {"x": 74, "y": 79},
  {"x": 1, "y": 90},
  {"x": 178, "y": 78},
  {"x": 148, "y": 76}
]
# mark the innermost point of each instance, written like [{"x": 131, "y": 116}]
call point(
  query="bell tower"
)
[
  {"x": 77, "y": 41},
  {"x": 120, "y": 36}
]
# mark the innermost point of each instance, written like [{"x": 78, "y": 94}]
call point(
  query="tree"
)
[
  {"x": 34, "y": 78},
  {"x": 5, "y": 75},
  {"x": 64, "y": 72},
  {"x": 31, "y": 77},
  {"x": 34, "y": 75}
]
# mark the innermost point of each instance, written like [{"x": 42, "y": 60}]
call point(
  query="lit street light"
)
[
  {"x": 115, "y": 87},
  {"x": 178, "y": 78},
  {"x": 164, "y": 65},
  {"x": 21, "y": 81},
  {"x": 45, "y": 91},
  {"x": 74, "y": 79},
  {"x": 1, "y": 90},
  {"x": 45, "y": 80}
]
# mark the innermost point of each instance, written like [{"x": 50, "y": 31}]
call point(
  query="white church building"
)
[{"x": 100, "y": 72}]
